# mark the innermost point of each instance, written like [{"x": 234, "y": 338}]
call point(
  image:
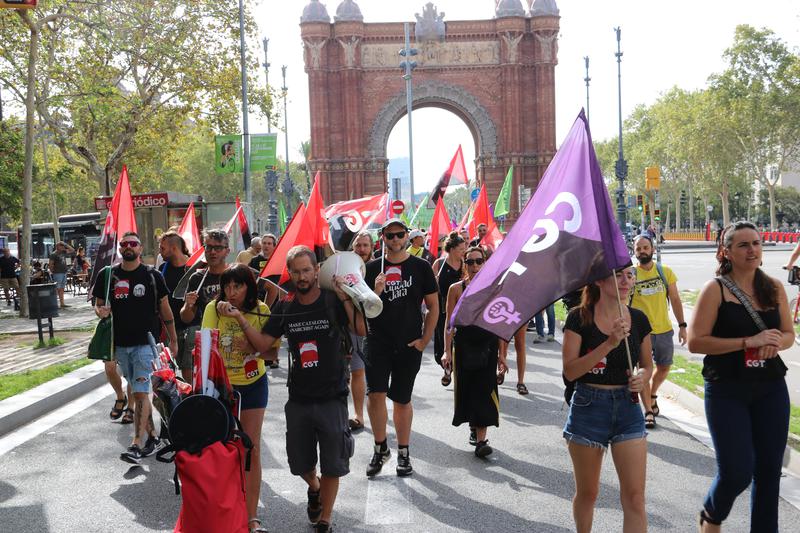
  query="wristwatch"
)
[{"x": 682, "y": 325}]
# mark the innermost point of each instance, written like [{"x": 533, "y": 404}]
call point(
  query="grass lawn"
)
[
  {"x": 49, "y": 343},
  {"x": 11, "y": 384}
]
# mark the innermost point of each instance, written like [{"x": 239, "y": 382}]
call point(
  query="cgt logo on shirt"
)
[
  {"x": 309, "y": 355},
  {"x": 121, "y": 289},
  {"x": 600, "y": 368}
]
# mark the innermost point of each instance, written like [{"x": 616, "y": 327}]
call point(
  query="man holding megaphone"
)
[{"x": 396, "y": 339}]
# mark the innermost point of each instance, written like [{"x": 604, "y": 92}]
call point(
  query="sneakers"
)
[
  {"x": 322, "y": 527},
  {"x": 473, "y": 437},
  {"x": 132, "y": 455},
  {"x": 403, "y": 463},
  {"x": 151, "y": 445},
  {"x": 538, "y": 338},
  {"x": 314, "y": 507},
  {"x": 483, "y": 449},
  {"x": 551, "y": 338},
  {"x": 275, "y": 364},
  {"x": 379, "y": 458}
]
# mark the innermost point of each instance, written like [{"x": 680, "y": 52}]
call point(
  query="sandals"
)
[
  {"x": 656, "y": 410},
  {"x": 522, "y": 389},
  {"x": 447, "y": 378},
  {"x": 127, "y": 418},
  {"x": 258, "y": 528},
  {"x": 649, "y": 420},
  {"x": 119, "y": 407},
  {"x": 355, "y": 424}
]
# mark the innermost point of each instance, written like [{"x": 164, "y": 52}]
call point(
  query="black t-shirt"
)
[
  {"x": 172, "y": 275},
  {"x": 447, "y": 276},
  {"x": 205, "y": 294},
  {"x": 8, "y": 266},
  {"x": 133, "y": 303},
  {"x": 59, "y": 260},
  {"x": 318, "y": 370},
  {"x": 407, "y": 284},
  {"x": 258, "y": 262},
  {"x": 612, "y": 369}
]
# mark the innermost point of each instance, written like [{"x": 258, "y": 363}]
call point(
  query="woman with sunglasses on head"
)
[
  {"x": 448, "y": 270},
  {"x": 473, "y": 354},
  {"x": 239, "y": 316},
  {"x": 604, "y": 408},
  {"x": 741, "y": 321}
]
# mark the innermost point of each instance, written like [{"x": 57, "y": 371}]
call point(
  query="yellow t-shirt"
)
[
  {"x": 650, "y": 297},
  {"x": 416, "y": 252},
  {"x": 231, "y": 338}
]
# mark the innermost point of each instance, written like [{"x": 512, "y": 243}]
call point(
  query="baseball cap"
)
[
  {"x": 393, "y": 221},
  {"x": 415, "y": 233}
]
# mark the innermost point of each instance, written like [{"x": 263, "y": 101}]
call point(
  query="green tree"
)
[{"x": 12, "y": 161}]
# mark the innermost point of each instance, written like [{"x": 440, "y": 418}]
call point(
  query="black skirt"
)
[{"x": 475, "y": 380}]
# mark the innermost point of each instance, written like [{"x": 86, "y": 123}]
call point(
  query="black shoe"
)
[
  {"x": 275, "y": 364},
  {"x": 132, "y": 455},
  {"x": 473, "y": 437},
  {"x": 483, "y": 449},
  {"x": 379, "y": 458},
  {"x": 151, "y": 445},
  {"x": 314, "y": 507},
  {"x": 403, "y": 463},
  {"x": 322, "y": 527}
]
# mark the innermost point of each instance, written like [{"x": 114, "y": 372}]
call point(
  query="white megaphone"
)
[{"x": 350, "y": 266}]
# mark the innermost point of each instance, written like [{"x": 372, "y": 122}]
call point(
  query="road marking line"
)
[
  {"x": 40, "y": 425},
  {"x": 387, "y": 502}
]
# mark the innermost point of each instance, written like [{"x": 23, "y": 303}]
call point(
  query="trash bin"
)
[{"x": 42, "y": 301}]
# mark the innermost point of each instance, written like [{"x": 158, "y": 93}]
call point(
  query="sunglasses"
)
[
  {"x": 129, "y": 244},
  {"x": 471, "y": 262},
  {"x": 214, "y": 247},
  {"x": 396, "y": 235}
]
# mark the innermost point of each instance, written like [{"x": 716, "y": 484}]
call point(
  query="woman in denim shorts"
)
[{"x": 604, "y": 408}]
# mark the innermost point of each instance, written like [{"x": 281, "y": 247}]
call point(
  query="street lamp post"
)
[
  {"x": 266, "y": 76},
  {"x": 287, "y": 179},
  {"x": 408, "y": 65},
  {"x": 248, "y": 193},
  {"x": 621, "y": 167},
  {"x": 271, "y": 183}
]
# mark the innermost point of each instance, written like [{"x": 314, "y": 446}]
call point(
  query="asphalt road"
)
[
  {"x": 69, "y": 478},
  {"x": 696, "y": 266}
]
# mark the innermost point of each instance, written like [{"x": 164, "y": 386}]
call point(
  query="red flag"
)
[
  {"x": 456, "y": 170},
  {"x": 297, "y": 232},
  {"x": 120, "y": 219},
  {"x": 440, "y": 225},
  {"x": 464, "y": 221},
  {"x": 244, "y": 227},
  {"x": 189, "y": 231},
  {"x": 483, "y": 215},
  {"x": 199, "y": 255},
  {"x": 364, "y": 213},
  {"x": 316, "y": 218}
]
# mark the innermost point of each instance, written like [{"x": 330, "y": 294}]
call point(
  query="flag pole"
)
[{"x": 634, "y": 395}]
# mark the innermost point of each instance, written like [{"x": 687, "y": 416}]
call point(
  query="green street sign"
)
[
  {"x": 228, "y": 154},
  {"x": 263, "y": 147}
]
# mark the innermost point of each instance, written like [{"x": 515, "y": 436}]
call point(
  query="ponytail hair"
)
[
  {"x": 589, "y": 298},
  {"x": 453, "y": 240}
]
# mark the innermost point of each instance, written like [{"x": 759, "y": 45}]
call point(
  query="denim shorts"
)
[
  {"x": 255, "y": 395},
  {"x": 136, "y": 363},
  {"x": 599, "y": 417},
  {"x": 60, "y": 278}
]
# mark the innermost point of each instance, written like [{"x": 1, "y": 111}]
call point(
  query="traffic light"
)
[
  {"x": 652, "y": 178},
  {"x": 639, "y": 202},
  {"x": 657, "y": 215},
  {"x": 646, "y": 209},
  {"x": 683, "y": 197}
]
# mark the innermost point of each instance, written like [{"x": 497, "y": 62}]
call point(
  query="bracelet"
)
[
  {"x": 682, "y": 325},
  {"x": 744, "y": 343}
]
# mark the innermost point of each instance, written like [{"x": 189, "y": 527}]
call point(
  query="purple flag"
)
[{"x": 565, "y": 238}]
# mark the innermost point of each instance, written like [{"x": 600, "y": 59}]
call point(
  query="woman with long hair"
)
[
  {"x": 448, "y": 270},
  {"x": 239, "y": 316},
  {"x": 473, "y": 355},
  {"x": 599, "y": 335},
  {"x": 746, "y": 399}
]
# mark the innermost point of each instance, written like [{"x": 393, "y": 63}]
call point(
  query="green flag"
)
[
  {"x": 503, "y": 204},
  {"x": 281, "y": 216}
]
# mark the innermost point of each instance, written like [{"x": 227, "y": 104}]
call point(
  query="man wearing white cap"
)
[{"x": 416, "y": 246}]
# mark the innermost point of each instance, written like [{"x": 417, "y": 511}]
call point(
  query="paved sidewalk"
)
[
  {"x": 15, "y": 358},
  {"x": 78, "y": 314}
]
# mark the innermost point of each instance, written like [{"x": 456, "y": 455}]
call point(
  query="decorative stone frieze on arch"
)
[
  {"x": 498, "y": 75},
  {"x": 450, "y": 97}
]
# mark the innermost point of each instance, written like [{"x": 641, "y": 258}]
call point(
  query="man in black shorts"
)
[
  {"x": 396, "y": 339},
  {"x": 315, "y": 322}
]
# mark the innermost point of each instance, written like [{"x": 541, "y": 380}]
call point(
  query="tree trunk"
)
[
  {"x": 53, "y": 205},
  {"x": 666, "y": 218},
  {"x": 27, "y": 176},
  {"x": 726, "y": 215},
  {"x": 691, "y": 207},
  {"x": 771, "y": 190},
  {"x": 678, "y": 221}
]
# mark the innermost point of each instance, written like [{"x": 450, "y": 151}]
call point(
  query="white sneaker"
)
[
  {"x": 538, "y": 339},
  {"x": 551, "y": 338}
]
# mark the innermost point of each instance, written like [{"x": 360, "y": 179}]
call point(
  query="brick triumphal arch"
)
[{"x": 497, "y": 75}]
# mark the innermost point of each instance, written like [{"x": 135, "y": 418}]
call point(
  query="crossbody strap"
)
[{"x": 745, "y": 300}]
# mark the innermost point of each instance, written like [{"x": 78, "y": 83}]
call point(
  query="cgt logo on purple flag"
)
[{"x": 565, "y": 238}]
